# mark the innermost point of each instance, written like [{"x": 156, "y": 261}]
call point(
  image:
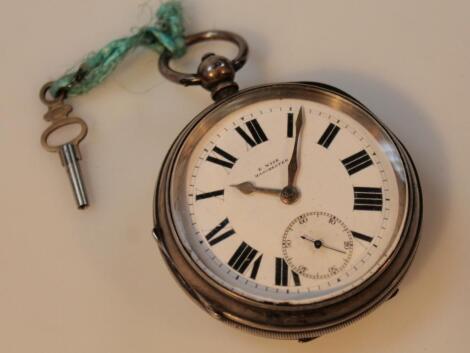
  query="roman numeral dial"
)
[
  {"x": 226, "y": 185},
  {"x": 253, "y": 134}
]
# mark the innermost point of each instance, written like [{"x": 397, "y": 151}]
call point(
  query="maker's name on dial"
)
[{"x": 270, "y": 166}]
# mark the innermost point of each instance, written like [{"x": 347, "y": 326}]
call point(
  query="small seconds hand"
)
[{"x": 319, "y": 243}]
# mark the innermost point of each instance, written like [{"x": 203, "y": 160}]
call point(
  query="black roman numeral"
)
[
  {"x": 243, "y": 257},
  {"x": 213, "y": 237},
  {"x": 207, "y": 195},
  {"x": 255, "y": 134},
  {"x": 228, "y": 161},
  {"x": 362, "y": 236},
  {"x": 357, "y": 162},
  {"x": 296, "y": 278},
  {"x": 290, "y": 124},
  {"x": 255, "y": 269},
  {"x": 282, "y": 273},
  {"x": 329, "y": 135},
  {"x": 367, "y": 199}
]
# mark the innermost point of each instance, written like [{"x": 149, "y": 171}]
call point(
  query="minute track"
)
[
  {"x": 256, "y": 217},
  {"x": 242, "y": 155}
]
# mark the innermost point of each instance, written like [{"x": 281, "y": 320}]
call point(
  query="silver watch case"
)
[{"x": 286, "y": 321}]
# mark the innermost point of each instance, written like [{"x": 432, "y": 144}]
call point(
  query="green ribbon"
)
[{"x": 167, "y": 33}]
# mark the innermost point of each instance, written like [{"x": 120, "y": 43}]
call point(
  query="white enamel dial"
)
[{"x": 339, "y": 232}]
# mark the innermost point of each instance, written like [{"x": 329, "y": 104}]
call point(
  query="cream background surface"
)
[{"x": 93, "y": 280}]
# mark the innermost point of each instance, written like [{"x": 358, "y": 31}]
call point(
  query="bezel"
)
[{"x": 285, "y": 320}]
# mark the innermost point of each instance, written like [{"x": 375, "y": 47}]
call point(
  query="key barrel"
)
[{"x": 70, "y": 157}]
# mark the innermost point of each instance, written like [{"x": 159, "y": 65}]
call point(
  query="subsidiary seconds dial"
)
[{"x": 317, "y": 245}]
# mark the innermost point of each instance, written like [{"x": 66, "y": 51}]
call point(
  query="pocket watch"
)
[{"x": 288, "y": 210}]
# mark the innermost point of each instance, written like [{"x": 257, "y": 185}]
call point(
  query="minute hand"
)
[{"x": 293, "y": 166}]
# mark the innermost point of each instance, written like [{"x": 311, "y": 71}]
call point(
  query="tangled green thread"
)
[{"x": 167, "y": 33}]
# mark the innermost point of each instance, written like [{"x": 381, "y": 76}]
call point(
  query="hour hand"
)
[{"x": 249, "y": 188}]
